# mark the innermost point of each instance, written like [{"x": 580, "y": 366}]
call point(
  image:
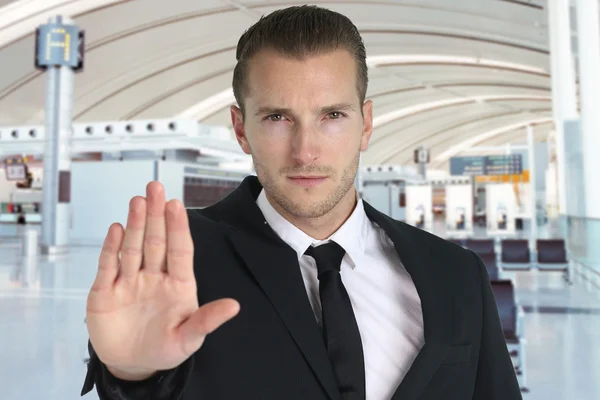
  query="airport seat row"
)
[
  {"x": 486, "y": 250},
  {"x": 515, "y": 254}
]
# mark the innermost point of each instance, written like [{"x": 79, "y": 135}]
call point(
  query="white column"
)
[
  {"x": 532, "y": 185},
  {"x": 564, "y": 94},
  {"x": 588, "y": 29},
  {"x": 56, "y": 206}
]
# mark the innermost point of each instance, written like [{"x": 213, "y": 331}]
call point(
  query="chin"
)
[
  {"x": 308, "y": 203},
  {"x": 315, "y": 210}
]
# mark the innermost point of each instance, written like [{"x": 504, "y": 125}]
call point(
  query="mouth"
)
[{"x": 307, "y": 180}]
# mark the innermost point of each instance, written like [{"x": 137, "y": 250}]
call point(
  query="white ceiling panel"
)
[{"x": 156, "y": 58}]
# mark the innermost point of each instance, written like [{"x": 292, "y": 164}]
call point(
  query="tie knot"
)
[{"x": 328, "y": 256}]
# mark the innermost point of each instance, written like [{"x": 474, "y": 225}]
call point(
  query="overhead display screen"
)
[
  {"x": 467, "y": 166},
  {"x": 511, "y": 164}
]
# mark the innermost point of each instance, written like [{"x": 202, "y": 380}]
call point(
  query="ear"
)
[
  {"x": 237, "y": 120},
  {"x": 367, "y": 125}
]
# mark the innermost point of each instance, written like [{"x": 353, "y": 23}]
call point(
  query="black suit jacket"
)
[{"x": 273, "y": 349}]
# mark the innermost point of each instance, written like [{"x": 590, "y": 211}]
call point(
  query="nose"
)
[{"x": 305, "y": 146}]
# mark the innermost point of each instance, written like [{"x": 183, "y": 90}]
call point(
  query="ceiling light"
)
[
  {"x": 396, "y": 114},
  {"x": 399, "y": 59},
  {"x": 210, "y": 105}
]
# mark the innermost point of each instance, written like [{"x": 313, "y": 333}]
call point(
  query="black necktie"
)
[{"x": 340, "y": 330}]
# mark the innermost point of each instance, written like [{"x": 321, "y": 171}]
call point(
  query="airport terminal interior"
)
[{"x": 485, "y": 132}]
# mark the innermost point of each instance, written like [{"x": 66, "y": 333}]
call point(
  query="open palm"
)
[{"x": 142, "y": 309}]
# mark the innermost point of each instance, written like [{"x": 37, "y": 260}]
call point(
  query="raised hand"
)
[{"x": 142, "y": 309}]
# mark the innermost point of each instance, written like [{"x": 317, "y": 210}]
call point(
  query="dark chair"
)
[
  {"x": 515, "y": 254},
  {"x": 511, "y": 318},
  {"x": 481, "y": 246},
  {"x": 551, "y": 252},
  {"x": 507, "y": 308},
  {"x": 491, "y": 264},
  {"x": 552, "y": 255}
]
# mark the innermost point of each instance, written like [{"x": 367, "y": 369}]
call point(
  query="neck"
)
[{"x": 322, "y": 227}]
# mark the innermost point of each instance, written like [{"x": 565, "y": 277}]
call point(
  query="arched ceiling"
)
[{"x": 448, "y": 75}]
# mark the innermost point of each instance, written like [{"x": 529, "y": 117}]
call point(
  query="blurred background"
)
[{"x": 486, "y": 133}]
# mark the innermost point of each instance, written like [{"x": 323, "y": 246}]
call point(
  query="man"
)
[{"x": 307, "y": 292}]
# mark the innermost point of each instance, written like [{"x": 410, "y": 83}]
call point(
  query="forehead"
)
[{"x": 323, "y": 78}]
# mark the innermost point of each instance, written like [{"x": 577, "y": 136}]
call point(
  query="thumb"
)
[{"x": 204, "y": 321}]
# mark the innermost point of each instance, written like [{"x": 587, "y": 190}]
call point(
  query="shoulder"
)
[
  {"x": 419, "y": 237},
  {"x": 205, "y": 224},
  {"x": 434, "y": 242},
  {"x": 444, "y": 258}
]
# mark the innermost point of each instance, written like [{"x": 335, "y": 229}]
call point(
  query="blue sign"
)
[
  {"x": 504, "y": 165},
  {"x": 474, "y": 165},
  {"x": 59, "y": 45},
  {"x": 511, "y": 164}
]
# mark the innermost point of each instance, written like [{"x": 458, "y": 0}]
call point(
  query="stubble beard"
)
[{"x": 316, "y": 208}]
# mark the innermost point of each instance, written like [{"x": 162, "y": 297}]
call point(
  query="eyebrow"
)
[{"x": 323, "y": 110}]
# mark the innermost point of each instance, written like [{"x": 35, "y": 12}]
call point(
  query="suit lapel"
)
[
  {"x": 436, "y": 304},
  {"x": 275, "y": 267},
  {"x": 276, "y": 270}
]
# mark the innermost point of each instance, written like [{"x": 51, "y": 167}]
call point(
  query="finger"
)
[
  {"x": 133, "y": 242},
  {"x": 180, "y": 246},
  {"x": 155, "y": 237},
  {"x": 204, "y": 321},
  {"x": 108, "y": 262}
]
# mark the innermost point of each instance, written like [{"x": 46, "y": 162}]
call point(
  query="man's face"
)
[{"x": 304, "y": 129}]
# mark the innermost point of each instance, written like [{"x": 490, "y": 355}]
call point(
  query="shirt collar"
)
[{"x": 352, "y": 235}]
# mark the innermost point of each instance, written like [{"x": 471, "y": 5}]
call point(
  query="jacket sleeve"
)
[
  {"x": 165, "y": 385},
  {"x": 496, "y": 377}
]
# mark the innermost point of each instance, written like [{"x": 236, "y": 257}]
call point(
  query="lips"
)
[{"x": 307, "y": 181}]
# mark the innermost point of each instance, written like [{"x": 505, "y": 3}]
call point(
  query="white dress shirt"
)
[{"x": 384, "y": 298}]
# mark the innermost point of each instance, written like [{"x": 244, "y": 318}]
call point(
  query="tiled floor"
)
[{"x": 43, "y": 337}]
